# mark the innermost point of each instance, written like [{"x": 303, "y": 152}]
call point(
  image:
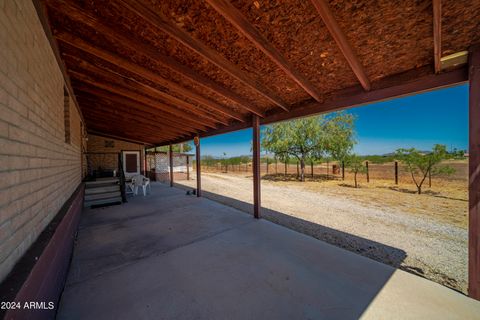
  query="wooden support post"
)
[
  {"x": 286, "y": 168},
  {"x": 156, "y": 165},
  {"x": 145, "y": 162},
  {"x": 343, "y": 170},
  {"x": 188, "y": 168},
  {"x": 256, "y": 166},
  {"x": 368, "y": 174},
  {"x": 170, "y": 157},
  {"x": 298, "y": 169},
  {"x": 396, "y": 172},
  {"x": 267, "y": 165},
  {"x": 311, "y": 167},
  {"x": 474, "y": 175},
  {"x": 199, "y": 166}
]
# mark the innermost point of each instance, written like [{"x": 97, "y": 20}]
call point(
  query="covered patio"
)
[
  {"x": 159, "y": 73},
  {"x": 176, "y": 256},
  {"x": 166, "y": 73}
]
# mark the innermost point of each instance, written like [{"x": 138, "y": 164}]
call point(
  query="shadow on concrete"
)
[
  {"x": 175, "y": 256},
  {"x": 187, "y": 257},
  {"x": 368, "y": 248}
]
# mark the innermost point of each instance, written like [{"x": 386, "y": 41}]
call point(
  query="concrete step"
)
[
  {"x": 105, "y": 195},
  {"x": 108, "y": 201},
  {"x": 102, "y": 189}
]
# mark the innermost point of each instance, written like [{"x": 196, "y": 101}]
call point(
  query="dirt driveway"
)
[{"x": 427, "y": 245}]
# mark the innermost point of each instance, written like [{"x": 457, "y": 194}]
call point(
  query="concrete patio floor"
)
[{"x": 173, "y": 256}]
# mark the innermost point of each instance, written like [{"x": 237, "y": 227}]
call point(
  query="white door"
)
[{"x": 131, "y": 163}]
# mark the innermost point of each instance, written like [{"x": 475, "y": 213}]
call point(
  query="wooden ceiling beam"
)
[
  {"x": 138, "y": 97},
  {"x": 437, "y": 34},
  {"x": 95, "y": 105},
  {"x": 399, "y": 85},
  {"x": 111, "y": 136},
  {"x": 96, "y": 110},
  {"x": 135, "y": 105},
  {"x": 235, "y": 17},
  {"x": 342, "y": 42},
  {"x": 158, "y": 20},
  {"x": 149, "y": 134},
  {"x": 143, "y": 135},
  {"x": 72, "y": 11},
  {"x": 116, "y": 78},
  {"x": 142, "y": 72},
  {"x": 76, "y": 13},
  {"x": 122, "y": 133}
]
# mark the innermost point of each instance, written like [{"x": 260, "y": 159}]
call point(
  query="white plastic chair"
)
[
  {"x": 129, "y": 186},
  {"x": 141, "y": 181}
]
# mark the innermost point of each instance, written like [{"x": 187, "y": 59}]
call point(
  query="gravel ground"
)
[{"x": 429, "y": 248}]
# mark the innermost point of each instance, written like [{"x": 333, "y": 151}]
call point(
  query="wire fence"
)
[{"x": 393, "y": 171}]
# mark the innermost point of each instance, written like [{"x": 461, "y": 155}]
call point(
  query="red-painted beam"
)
[
  {"x": 474, "y": 175},
  {"x": 170, "y": 158},
  {"x": 256, "y": 166},
  {"x": 199, "y": 167}
]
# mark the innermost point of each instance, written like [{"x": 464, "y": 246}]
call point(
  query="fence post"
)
[
  {"x": 298, "y": 170},
  {"x": 311, "y": 167},
  {"x": 396, "y": 172},
  {"x": 368, "y": 174},
  {"x": 267, "y": 165},
  {"x": 343, "y": 170}
]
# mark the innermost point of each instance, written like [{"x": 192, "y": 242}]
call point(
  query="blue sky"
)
[{"x": 418, "y": 121}]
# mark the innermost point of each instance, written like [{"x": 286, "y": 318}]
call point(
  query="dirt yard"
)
[{"x": 423, "y": 234}]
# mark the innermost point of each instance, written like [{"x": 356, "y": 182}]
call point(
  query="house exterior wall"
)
[
  {"x": 39, "y": 170},
  {"x": 160, "y": 162},
  {"x": 102, "y": 152}
]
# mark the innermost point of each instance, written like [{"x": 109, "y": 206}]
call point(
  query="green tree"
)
[
  {"x": 339, "y": 139},
  {"x": 310, "y": 138},
  {"x": 421, "y": 164},
  {"x": 356, "y": 165}
]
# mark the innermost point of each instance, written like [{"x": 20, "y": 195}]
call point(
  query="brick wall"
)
[
  {"x": 101, "y": 152},
  {"x": 38, "y": 169}
]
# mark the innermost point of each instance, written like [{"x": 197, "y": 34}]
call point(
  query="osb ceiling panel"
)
[
  {"x": 460, "y": 25},
  {"x": 105, "y": 42},
  {"x": 389, "y": 37},
  {"x": 297, "y": 31}
]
